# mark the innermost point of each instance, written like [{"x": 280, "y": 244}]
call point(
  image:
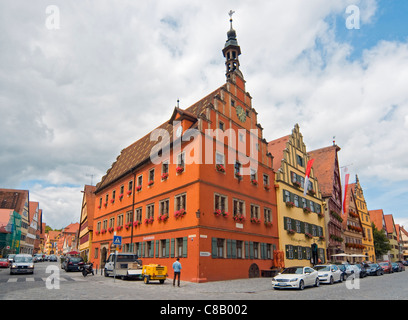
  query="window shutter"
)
[
  {"x": 172, "y": 248},
  {"x": 157, "y": 248},
  {"x": 185, "y": 242},
  {"x": 143, "y": 249},
  {"x": 246, "y": 250},
  {"x": 251, "y": 250},
  {"x": 167, "y": 247},
  {"x": 287, "y": 251},
  {"x": 234, "y": 249},
  {"x": 302, "y": 227},
  {"x": 214, "y": 247},
  {"x": 285, "y": 223},
  {"x": 304, "y": 252},
  {"x": 229, "y": 248}
]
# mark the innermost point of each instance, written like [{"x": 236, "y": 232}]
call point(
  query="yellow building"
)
[
  {"x": 300, "y": 217},
  {"x": 368, "y": 239},
  {"x": 392, "y": 236}
]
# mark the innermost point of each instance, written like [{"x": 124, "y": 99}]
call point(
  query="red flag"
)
[{"x": 307, "y": 175}]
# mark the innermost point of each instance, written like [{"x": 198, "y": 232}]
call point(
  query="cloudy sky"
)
[{"x": 81, "y": 80}]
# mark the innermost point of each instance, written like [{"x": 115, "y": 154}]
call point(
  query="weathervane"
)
[{"x": 230, "y": 13}]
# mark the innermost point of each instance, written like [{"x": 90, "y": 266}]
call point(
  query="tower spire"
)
[{"x": 231, "y": 51}]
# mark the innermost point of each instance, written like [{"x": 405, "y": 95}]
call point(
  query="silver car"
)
[{"x": 22, "y": 263}]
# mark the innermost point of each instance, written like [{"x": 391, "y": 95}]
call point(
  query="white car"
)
[
  {"x": 329, "y": 273},
  {"x": 296, "y": 277}
]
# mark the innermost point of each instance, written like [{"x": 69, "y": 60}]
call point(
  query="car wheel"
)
[
  {"x": 331, "y": 280},
  {"x": 146, "y": 279},
  {"x": 301, "y": 285},
  {"x": 105, "y": 273},
  {"x": 317, "y": 282}
]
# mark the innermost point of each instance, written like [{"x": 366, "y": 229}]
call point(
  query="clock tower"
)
[{"x": 231, "y": 52}]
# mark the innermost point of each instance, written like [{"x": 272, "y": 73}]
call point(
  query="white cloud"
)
[{"x": 74, "y": 97}]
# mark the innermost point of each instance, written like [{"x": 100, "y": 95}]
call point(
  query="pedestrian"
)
[{"x": 177, "y": 271}]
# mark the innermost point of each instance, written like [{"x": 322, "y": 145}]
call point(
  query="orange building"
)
[{"x": 203, "y": 193}]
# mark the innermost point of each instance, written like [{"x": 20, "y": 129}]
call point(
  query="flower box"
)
[
  {"x": 220, "y": 168},
  {"x": 97, "y": 233},
  {"x": 121, "y": 196},
  {"x": 129, "y": 193},
  {"x": 291, "y": 231},
  {"x": 103, "y": 231},
  {"x": 290, "y": 204},
  {"x": 267, "y": 187},
  {"x": 128, "y": 225},
  {"x": 163, "y": 217},
  {"x": 138, "y": 188},
  {"x": 307, "y": 210},
  {"x": 149, "y": 221},
  {"x": 219, "y": 212},
  {"x": 180, "y": 213},
  {"x": 105, "y": 204},
  {"x": 112, "y": 201},
  {"x": 320, "y": 214},
  {"x": 254, "y": 182},
  {"x": 137, "y": 223},
  {"x": 311, "y": 192},
  {"x": 296, "y": 184},
  {"x": 239, "y": 218},
  {"x": 268, "y": 223},
  {"x": 165, "y": 176},
  {"x": 110, "y": 230},
  {"x": 255, "y": 220},
  {"x": 308, "y": 235},
  {"x": 179, "y": 170},
  {"x": 150, "y": 183},
  {"x": 118, "y": 228}
]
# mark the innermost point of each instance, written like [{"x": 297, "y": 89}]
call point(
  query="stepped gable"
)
[{"x": 138, "y": 153}]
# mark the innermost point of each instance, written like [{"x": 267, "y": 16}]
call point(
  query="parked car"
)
[
  {"x": 356, "y": 270},
  {"x": 374, "y": 269},
  {"x": 401, "y": 266},
  {"x": 329, "y": 273},
  {"x": 296, "y": 277},
  {"x": 52, "y": 258},
  {"x": 346, "y": 270},
  {"x": 363, "y": 270},
  {"x": 22, "y": 263},
  {"x": 396, "y": 267},
  {"x": 38, "y": 257},
  {"x": 386, "y": 266},
  {"x": 124, "y": 265},
  {"x": 73, "y": 264},
  {"x": 4, "y": 263}
]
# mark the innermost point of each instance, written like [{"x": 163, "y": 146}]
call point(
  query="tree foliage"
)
[{"x": 381, "y": 242}]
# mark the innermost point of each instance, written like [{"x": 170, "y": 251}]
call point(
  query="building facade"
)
[
  {"x": 362, "y": 209},
  {"x": 206, "y": 196},
  {"x": 353, "y": 229},
  {"x": 300, "y": 216},
  {"x": 326, "y": 169},
  {"x": 86, "y": 221}
]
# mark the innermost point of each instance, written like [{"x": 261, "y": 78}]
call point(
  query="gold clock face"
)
[{"x": 241, "y": 113}]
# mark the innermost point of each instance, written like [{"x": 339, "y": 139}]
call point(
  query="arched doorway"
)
[
  {"x": 253, "y": 271},
  {"x": 104, "y": 253}
]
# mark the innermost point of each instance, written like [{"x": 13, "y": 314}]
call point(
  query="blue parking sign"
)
[{"x": 117, "y": 240}]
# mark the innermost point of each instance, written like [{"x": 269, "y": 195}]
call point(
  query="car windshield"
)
[
  {"x": 2, "y": 259},
  {"x": 373, "y": 265},
  {"x": 126, "y": 258},
  {"x": 23, "y": 259},
  {"x": 75, "y": 259},
  {"x": 322, "y": 268},
  {"x": 383, "y": 264},
  {"x": 293, "y": 270}
]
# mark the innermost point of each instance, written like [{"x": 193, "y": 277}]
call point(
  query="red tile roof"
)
[
  {"x": 389, "y": 223},
  {"x": 138, "y": 153},
  {"x": 377, "y": 217},
  {"x": 276, "y": 148},
  {"x": 324, "y": 167}
]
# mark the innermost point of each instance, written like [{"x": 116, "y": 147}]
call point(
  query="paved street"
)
[{"x": 73, "y": 285}]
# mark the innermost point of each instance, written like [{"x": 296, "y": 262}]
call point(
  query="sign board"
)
[{"x": 117, "y": 240}]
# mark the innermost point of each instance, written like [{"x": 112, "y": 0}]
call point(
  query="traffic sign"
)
[{"x": 117, "y": 240}]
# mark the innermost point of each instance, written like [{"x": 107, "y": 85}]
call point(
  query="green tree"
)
[{"x": 381, "y": 242}]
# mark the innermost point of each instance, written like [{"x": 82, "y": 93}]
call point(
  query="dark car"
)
[
  {"x": 373, "y": 269},
  {"x": 363, "y": 270},
  {"x": 73, "y": 264},
  {"x": 387, "y": 266},
  {"x": 396, "y": 267}
]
